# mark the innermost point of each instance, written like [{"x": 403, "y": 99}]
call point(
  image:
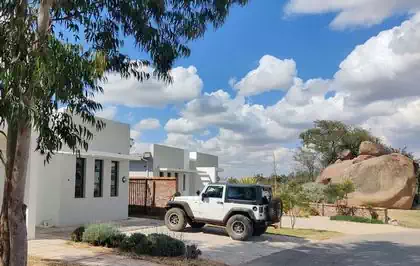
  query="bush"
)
[
  {"x": 100, "y": 234},
  {"x": 356, "y": 219},
  {"x": 166, "y": 246},
  {"x": 77, "y": 234},
  {"x": 314, "y": 212},
  {"x": 116, "y": 240},
  {"x": 314, "y": 191},
  {"x": 136, "y": 242}
]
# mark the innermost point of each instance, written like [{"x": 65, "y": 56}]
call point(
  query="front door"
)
[{"x": 212, "y": 205}]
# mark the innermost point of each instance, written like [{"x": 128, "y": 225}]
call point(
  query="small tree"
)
[
  {"x": 294, "y": 199},
  {"x": 248, "y": 180},
  {"x": 307, "y": 161}
]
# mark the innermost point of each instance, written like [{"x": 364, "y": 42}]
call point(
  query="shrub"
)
[
  {"x": 100, "y": 234},
  {"x": 344, "y": 210},
  {"x": 166, "y": 246},
  {"x": 356, "y": 219},
  {"x": 77, "y": 234},
  {"x": 137, "y": 243},
  {"x": 116, "y": 240},
  {"x": 314, "y": 191}
]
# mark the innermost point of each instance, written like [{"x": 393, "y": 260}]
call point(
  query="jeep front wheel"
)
[
  {"x": 239, "y": 227},
  {"x": 175, "y": 219}
]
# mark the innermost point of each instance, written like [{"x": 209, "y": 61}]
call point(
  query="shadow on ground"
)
[{"x": 366, "y": 253}]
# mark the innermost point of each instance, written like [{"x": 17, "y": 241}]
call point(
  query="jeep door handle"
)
[{"x": 220, "y": 202}]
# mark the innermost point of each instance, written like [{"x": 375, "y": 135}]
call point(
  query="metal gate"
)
[{"x": 149, "y": 196}]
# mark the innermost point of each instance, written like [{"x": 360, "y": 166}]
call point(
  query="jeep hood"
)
[{"x": 186, "y": 198}]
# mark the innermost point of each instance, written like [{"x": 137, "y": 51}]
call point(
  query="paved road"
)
[{"x": 389, "y": 249}]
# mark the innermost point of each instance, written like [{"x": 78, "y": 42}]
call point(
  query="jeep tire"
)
[
  {"x": 197, "y": 225},
  {"x": 175, "y": 219},
  {"x": 239, "y": 227},
  {"x": 259, "y": 230}
]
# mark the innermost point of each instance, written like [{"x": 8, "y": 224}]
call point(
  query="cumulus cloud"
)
[
  {"x": 271, "y": 74},
  {"x": 148, "y": 124},
  {"x": 108, "y": 112},
  {"x": 186, "y": 86},
  {"x": 362, "y": 13},
  {"x": 375, "y": 87},
  {"x": 386, "y": 67}
]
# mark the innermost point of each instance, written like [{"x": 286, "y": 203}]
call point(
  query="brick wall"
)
[
  {"x": 150, "y": 195},
  {"x": 332, "y": 210}
]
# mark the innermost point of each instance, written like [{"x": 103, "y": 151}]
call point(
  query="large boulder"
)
[
  {"x": 370, "y": 148},
  {"x": 387, "y": 181}
]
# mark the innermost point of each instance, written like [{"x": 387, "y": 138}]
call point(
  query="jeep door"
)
[{"x": 212, "y": 203}]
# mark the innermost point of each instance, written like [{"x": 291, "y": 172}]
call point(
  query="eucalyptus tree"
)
[{"x": 44, "y": 66}]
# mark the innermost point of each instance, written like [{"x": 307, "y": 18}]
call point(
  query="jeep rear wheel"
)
[
  {"x": 239, "y": 227},
  {"x": 197, "y": 225},
  {"x": 175, "y": 219},
  {"x": 259, "y": 230}
]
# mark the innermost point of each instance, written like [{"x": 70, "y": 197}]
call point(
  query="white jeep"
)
[{"x": 245, "y": 210}]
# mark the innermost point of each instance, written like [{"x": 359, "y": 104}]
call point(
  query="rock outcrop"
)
[
  {"x": 370, "y": 148},
  {"x": 387, "y": 181}
]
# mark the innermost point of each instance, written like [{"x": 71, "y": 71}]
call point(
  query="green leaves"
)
[{"x": 329, "y": 138}]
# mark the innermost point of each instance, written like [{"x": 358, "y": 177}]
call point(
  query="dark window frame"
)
[
  {"x": 98, "y": 193},
  {"x": 168, "y": 174},
  {"x": 184, "y": 182},
  {"x": 212, "y": 186},
  {"x": 115, "y": 178},
  {"x": 79, "y": 190},
  {"x": 161, "y": 174}
]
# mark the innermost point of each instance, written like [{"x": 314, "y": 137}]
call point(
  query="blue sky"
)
[{"x": 316, "y": 38}]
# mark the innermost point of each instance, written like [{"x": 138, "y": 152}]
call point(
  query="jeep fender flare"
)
[
  {"x": 243, "y": 211},
  {"x": 180, "y": 204}
]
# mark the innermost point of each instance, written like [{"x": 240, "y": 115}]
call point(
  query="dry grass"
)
[
  {"x": 406, "y": 218},
  {"x": 309, "y": 234},
  {"x": 179, "y": 261},
  {"x": 34, "y": 261}
]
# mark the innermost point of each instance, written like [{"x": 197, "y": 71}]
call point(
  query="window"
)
[
  {"x": 161, "y": 174},
  {"x": 176, "y": 175},
  {"x": 183, "y": 182},
  {"x": 79, "y": 187},
  {"x": 97, "y": 186},
  {"x": 214, "y": 192},
  {"x": 241, "y": 193},
  {"x": 114, "y": 179},
  {"x": 168, "y": 174}
]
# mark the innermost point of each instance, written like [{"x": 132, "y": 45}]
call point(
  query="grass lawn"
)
[
  {"x": 309, "y": 234},
  {"x": 406, "y": 218}
]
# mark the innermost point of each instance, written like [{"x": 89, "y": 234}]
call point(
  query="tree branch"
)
[{"x": 3, "y": 160}]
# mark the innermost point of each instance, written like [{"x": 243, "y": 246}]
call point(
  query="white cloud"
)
[
  {"x": 386, "y": 67},
  {"x": 182, "y": 126},
  {"x": 134, "y": 134},
  {"x": 271, "y": 74},
  {"x": 363, "y": 13},
  {"x": 375, "y": 87},
  {"x": 148, "y": 124},
  {"x": 108, "y": 112},
  {"x": 186, "y": 85}
]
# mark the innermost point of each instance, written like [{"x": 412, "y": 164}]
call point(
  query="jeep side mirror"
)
[
  {"x": 203, "y": 196},
  {"x": 198, "y": 192}
]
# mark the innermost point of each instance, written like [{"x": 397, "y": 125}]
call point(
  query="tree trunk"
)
[{"x": 13, "y": 216}]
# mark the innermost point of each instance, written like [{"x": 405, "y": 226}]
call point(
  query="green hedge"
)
[
  {"x": 101, "y": 235},
  {"x": 356, "y": 219}
]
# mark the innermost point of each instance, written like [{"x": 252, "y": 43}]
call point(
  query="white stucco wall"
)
[
  {"x": 204, "y": 160},
  {"x": 167, "y": 157},
  {"x": 113, "y": 138}
]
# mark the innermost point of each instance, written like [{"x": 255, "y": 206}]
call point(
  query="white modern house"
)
[
  {"x": 79, "y": 188},
  {"x": 193, "y": 170}
]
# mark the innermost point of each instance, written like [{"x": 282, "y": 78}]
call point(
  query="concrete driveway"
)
[
  {"x": 385, "y": 249},
  {"x": 218, "y": 246}
]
